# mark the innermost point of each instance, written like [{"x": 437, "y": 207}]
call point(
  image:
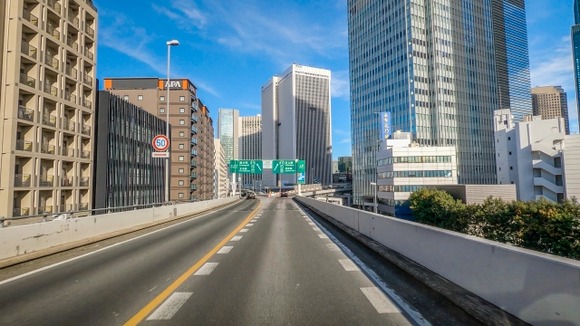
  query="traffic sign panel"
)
[
  {"x": 160, "y": 154},
  {"x": 160, "y": 143},
  {"x": 246, "y": 166},
  {"x": 284, "y": 166}
]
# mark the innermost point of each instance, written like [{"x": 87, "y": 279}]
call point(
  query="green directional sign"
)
[
  {"x": 246, "y": 166},
  {"x": 284, "y": 166},
  {"x": 301, "y": 166}
]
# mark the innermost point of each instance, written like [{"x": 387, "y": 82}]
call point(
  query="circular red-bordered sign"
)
[{"x": 160, "y": 143}]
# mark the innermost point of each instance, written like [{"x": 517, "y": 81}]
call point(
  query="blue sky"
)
[{"x": 230, "y": 48}]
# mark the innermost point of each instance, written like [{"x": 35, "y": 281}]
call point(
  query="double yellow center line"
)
[{"x": 148, "y": 309}]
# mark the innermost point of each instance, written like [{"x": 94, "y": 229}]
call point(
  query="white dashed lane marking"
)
[
  {"x": 332, "y": 247},
  {"x": 348, "y": 265},
  {"x": 243, "y": 230},
  {"x": 322, "y": 236},
  {"x": 170, "y": 306},
  {"x": 237, "y": 238},
  {"x": 225, "y": 250},
  {"x": 206, "y": 269},
  {"x": 250, "y": 224},
  {"x": 378, "y": 299}
]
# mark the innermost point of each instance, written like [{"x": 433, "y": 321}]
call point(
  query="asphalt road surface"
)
[{"x": 260, "y": 262}]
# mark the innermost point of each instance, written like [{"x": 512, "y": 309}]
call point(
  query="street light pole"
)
[
  {"x": 375, "y": 202},
  {"x": 167, "y": 85}
]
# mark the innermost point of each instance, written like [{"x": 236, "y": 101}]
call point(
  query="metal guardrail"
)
[{"x": 47, "y": 217}]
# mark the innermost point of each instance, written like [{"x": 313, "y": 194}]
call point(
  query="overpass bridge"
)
[{"x": 296, "y": 261}]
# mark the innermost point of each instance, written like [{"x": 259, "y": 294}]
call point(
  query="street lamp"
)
[
  {"x": 375, "y": 202},
  {"x": 169, "y": 45}
]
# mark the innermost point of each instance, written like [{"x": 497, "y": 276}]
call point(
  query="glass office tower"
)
[
  {"x": 433, "y": 65},
  {"x": 576, "y": 53}
]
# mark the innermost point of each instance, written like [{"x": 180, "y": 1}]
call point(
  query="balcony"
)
[
  {"x": 84, "y": 206},
  {"x": 54, "y": 5},
  {"x": 90, "y": 31},
  {"x": 46, "y": 181},
  {"x": 70, "y": 42},
  {"x": 88, "y": 79},
  {"x": 30, "y": 17},
  {"x": 86, "y": 130},
  {"x": 88, "y": 53},
  {"x": 193, "y": 187},
  {"x": 48, "y": 88},
  {"x": 23, "y": 145},
  {"x": 69, "y": 96},
  {"x": 22, "y": 180},
  {"x": 18, "y": 211},
  {"x": 87, "y": 104},
  {"x": 84, "y": 182},
  {"x": 71, "y": 72},
  {"x": 85, "y": 154},
  {"x": 45, "y": 210},
  {"x": 49, "y": 120},
  {"x": 29, "y": 50},
  {"x": 53, "y": 31},
  {"x": 68, "y": 124},
  {"x": 193, "y": 175},
  {"x": 51, "y": 61},
  {"x": 29, "y": 81},
  {"x": 66, "y": 182},
  {"x": 47, "y": 149},
  {"x": 25, "y": 113}
]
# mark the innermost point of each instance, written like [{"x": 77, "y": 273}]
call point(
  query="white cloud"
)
[{"x": 340, "y": 84}]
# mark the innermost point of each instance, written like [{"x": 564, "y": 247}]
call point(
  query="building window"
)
[
  {"x": 181, "y": 158},
  {"x": 180, "y": 182},
  {"x": 509, "y": 138},
  {"x": 139, "y": 97},
  {"x": 511, "y": 167},
  {"x": 181, "y": 134},
  {"x": 181, "y": 110},
  {"x": 181, "y": 171},
  {"x": 162, "y": 110},
  {"x": 182, "y": 99},
  {"x": 126, "y": 97},
  {"x": 181, "y": 122},
  {"x": 180, "y": 195},
  {"x": 510, "y": 153},
  {"x": 181, "y": 146},
  {"x": 161, "y": 98}
]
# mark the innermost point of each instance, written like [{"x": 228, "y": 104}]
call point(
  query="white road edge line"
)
[
  {"x": 206, "y": 269},
  {"x": 378, "y": 299},
  {"x": 332, "y": 247},
  {"x": 170, "y": 306},
  {"x": 225, "y": 250},
  {"x": 410, "y": 312},
  {"x": 349, "y": 265}
]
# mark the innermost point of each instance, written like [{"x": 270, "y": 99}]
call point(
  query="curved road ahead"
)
[{"x": 259, "y": 262}]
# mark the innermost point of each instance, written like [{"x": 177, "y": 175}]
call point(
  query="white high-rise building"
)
[
  {"x": 250, "y": 147},
  {"x": 221, "y": 181},
  {"x": 296, "y": 117},
  {"x": 538, "y": 157}
]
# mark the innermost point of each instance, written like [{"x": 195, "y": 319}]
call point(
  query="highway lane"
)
[
  {"x": 251, "y": 264},
  {"x": 109, "y": 286}
]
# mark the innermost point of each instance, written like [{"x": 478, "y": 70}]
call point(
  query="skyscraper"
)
[
  {"x": 576, "y": 52},
  {"x": 437, "y": 68},
  {"x": 48, "y": 90},
  {"x": 250, "y": 145},
  {"x": 228, "y": 132},
  {"x": 296, "y": 122},
  {"x": 551, "y": 102}
]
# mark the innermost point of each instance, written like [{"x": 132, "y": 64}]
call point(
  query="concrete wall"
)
[
  {"x": 23, "y": 239},
  {"x": 538, "y": 288}
]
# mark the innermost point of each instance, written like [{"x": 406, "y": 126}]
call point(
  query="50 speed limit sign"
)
[{"x": 160, "y": 143}]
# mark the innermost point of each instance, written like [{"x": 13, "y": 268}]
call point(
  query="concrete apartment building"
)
[
  {"x": 551, "y": 102},
  {"x": 184, "y": 116},
  {"x": 221, "y": 181},
  {"x": 47, "y": 105},
  {"x": 250, "y": 148},
  {"x": 538, "y": 157},
  {"x": 575, "y": 36},
  {"x": 126, "y": 174},
  {"x": 296, "y": 115},
  {"x": 404, "y": 167},
  {"x": 205, "y": 155}
]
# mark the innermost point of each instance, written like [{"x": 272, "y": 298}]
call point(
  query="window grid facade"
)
[{"x": 250, "y": 146}]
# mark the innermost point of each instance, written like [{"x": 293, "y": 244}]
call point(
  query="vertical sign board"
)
[
  {"x": 385, "y": 125},
  {"x": 233, "y": 166},
  {"x": 301, "y": 170}
]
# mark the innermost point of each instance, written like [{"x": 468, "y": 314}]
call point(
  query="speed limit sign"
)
[{"x": 160, "y": 143}]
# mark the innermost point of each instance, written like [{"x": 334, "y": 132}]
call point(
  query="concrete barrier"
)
[
  {"x": 25, "y": 239},
  {"x": 538, "y": 288}
]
